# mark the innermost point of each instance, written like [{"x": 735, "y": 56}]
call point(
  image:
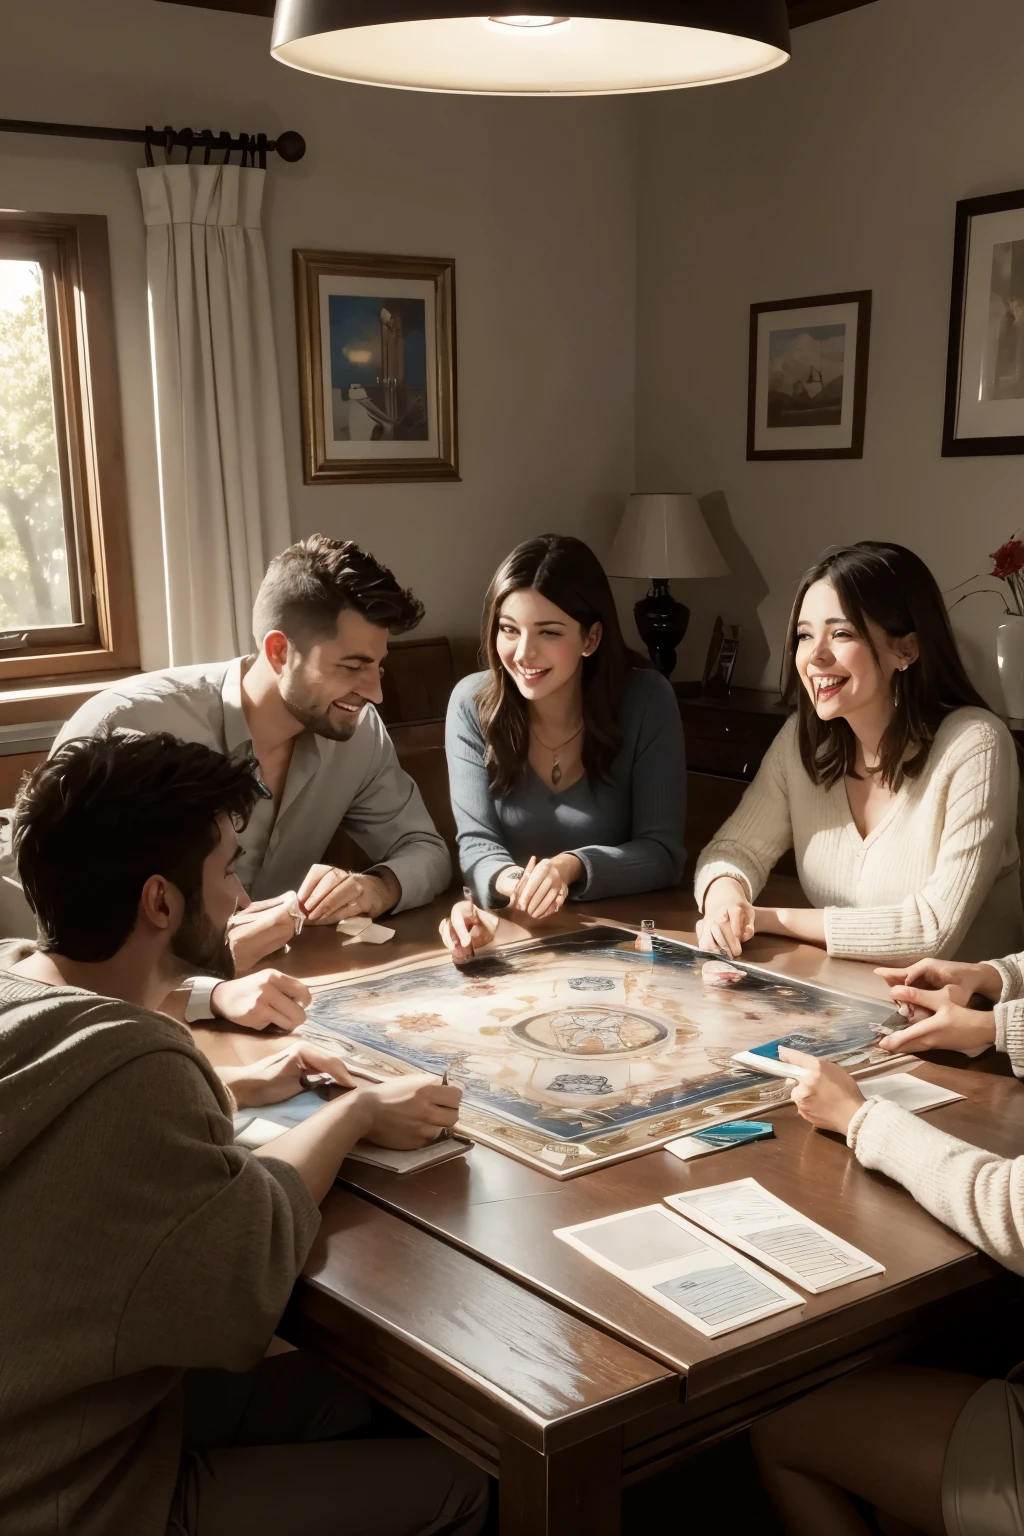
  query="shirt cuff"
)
[
  {"x": 199, "y": 1005},
  {"x": 1009, "y": 1019},
  {"x": 1010, "y": 976}
]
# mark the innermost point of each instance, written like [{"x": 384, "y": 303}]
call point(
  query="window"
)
[{"x": 66, "y": 601}]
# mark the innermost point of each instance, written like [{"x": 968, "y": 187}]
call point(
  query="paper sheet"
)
[
  {"x": 909, "y": 1092},
  {"x": 681, "y": 1268},
  {"x": 753, "y": 1220}
]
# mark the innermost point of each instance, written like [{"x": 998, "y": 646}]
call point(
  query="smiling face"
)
[
  {"x": 540, "y": 646},
  {"x": 836, "y": 663},
  {"x": 327, "y": 685}
]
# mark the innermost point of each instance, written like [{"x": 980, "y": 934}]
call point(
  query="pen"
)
[{"x": 445, "y": 1130}]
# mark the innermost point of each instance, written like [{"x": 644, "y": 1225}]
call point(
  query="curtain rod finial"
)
[{"x": 291, "y": 146}]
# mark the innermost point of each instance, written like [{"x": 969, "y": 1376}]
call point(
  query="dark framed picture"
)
[
  {"x": 376, "y": 366},
  {"x": 808, "y": 382},
  {"x": 985, "y": 362},
  {"x": 721, "y": 660}
]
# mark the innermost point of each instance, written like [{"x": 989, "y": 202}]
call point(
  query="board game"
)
[{"x": 578, "y": 1050}]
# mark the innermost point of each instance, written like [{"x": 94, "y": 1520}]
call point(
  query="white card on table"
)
[
  {"x": 681, "y": 1268},
  {"x": 909, "y": 1092},
  {"x": 746, "y": 1215}
]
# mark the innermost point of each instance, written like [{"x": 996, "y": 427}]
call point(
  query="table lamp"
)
[{"x": 662, "y": 535}]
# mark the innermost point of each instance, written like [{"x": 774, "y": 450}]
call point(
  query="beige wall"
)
[
  {"x": 535, "y": 200},
  {"x": 840, "y": 171}
]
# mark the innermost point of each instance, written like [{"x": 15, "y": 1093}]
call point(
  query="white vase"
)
[{"x": 1010, "y": 653}]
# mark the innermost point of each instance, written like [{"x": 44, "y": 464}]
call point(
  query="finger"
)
[
  {"x": 315, "y": 1058},
  {"x": 438, "y": 1118},
  {"x": 918, "y": 1037},
  {"x": 292, "y": 987},
  {"x": 532, "y": 884},
  {"x": 932, "y": 1001},
  {"x": 461, "y": 926},
  {"x": 727, "y": 940},
  {"x": 528, "y": 869},
  {"x": 551, "y": 903},
  {"x": 329, "y": 881},
  {"x": 893, "y": 977},
  {"x": 799, "y": 1060},
  {"x": 314, "y": 875},
  {"x": 284, "y": 1008},
  {"x": 536, "y": 898},
  {"x": 444, "y": 1095},
  {"x": 741, "y": 920},
  {"x": 342, "y": 901}
]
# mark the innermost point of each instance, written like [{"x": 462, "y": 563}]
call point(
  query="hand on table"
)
[
  {"x": 959, "y": 980},
  {"x": 411, "y": 1111},
  {"x": 543, "y": 887},
  {"x": 936, "y": 1022},
  {"x": 262, "y": 999},
  {"x": 284, "y": 1074},
  {"x": 261, "y": 927},
  {"x": 328, "y": 894},
  {"x": 468, "y": 930},
  {"x": 728, "y": 920},
  {"x": 824, "y": 1094}
]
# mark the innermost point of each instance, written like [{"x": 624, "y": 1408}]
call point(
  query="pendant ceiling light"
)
[{"x": 438, "y": 45}]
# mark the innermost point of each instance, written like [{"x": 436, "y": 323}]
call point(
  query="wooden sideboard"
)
[{"x": 725, "y": 742}]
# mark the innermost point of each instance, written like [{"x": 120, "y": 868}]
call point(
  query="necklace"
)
[{"x": 556, "y": 767}]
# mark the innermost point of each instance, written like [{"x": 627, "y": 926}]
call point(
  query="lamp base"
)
[{"x": 662, "y": 624}]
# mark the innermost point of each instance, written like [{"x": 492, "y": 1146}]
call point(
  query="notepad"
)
[
  {"x": 909, "y": 1092},
  {"x": 261, "y": 1130},
  {"x": 753, "y": 1220},
  {"x": 681, "y": 1268}
]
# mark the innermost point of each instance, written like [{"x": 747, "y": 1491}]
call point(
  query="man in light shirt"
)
[{"x": 299, "y": 710}]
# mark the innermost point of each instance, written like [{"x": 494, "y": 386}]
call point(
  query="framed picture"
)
[
  {"x": 376, "y": 367},
  {"x": 985, "y": 364},
  {"x": 721, "y": 660},
  {"x": 808, "y": 380}
]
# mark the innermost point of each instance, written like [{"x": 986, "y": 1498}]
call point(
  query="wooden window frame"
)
[{"x": 88, "y": 406}]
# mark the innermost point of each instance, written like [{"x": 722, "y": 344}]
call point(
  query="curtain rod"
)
[{"x": 289, "y": 145}]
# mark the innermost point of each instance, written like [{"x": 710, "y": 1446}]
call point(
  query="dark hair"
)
[
  {"x": 568, "y": 573},
  {"x": 893, "y": 587},
  {"x": 308, "y": 584},
  {"x": 103, "y": 815}
]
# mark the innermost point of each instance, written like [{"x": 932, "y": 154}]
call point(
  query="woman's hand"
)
[
  {"x": 960, "y": 980},
  {"x": 938, "y": 1022},
  {"x": 543, "y": 887},
  {"x": 824, "y": 1094},
  {"x": 728, "y": 920},
  {"x": 467, "y": 930}
]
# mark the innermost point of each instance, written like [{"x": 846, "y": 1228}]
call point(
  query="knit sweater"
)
[
  {"x": 938, "y": 876},
  {"x": 138, "y": 1241}
]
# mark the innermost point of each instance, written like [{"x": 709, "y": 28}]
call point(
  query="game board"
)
[{"x": 576, "y": 1051}]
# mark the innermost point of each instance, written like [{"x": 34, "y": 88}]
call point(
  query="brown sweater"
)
[{"x": 137, "y": 1241}]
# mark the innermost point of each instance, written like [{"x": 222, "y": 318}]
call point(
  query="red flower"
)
[{"x": 1009, "y": 559}]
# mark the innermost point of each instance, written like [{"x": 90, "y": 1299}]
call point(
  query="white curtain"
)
[{"x": 223, "y": 496}]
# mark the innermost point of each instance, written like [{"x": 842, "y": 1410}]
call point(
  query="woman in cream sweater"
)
[
  {"x": 940, "y": 1451},
  {"x": 893, "y": 782}
]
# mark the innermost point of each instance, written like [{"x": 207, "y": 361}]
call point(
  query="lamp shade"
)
[
  {"x": 441, "y": 45},
  {"x": 663, "y": 535}
]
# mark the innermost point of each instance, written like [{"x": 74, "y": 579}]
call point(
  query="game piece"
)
[{"x": 715, "y": 973}]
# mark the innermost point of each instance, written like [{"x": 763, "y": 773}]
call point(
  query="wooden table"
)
[{"x": 445, "y": 1294}]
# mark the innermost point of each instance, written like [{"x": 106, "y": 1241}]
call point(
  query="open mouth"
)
[
  {"x": 826, "y": 688},
  {"x": 350, "y": 711},
  {"x": 532, "y": 674}
]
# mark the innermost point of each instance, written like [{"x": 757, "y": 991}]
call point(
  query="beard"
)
[
  {"x": 200, "y": 944},
  {"x": 303, "y": 708}
]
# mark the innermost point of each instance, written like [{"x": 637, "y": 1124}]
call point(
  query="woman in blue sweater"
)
[{"x": 566, "y": 756}]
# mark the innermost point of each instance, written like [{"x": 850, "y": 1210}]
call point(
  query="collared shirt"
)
[{"x": 358, "y": 784}]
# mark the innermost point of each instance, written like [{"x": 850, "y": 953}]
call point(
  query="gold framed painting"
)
[{"x": 376, "y": 366}]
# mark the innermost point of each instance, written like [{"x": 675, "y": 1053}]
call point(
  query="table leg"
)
[{"x": 572, "y": 1491}]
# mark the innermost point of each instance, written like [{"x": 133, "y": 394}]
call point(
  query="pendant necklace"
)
[{"x": 556, "y": 767}]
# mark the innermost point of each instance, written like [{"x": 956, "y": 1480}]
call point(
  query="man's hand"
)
[
  {"x": 937, "y": 1022},
  {"x": 260, "y": 928},
  {"x": 467, "y": 930},
  {"x": 411, "y": 1111},
  {"x": 262, "y": 999},
  {"x": 284, "y": 1074},
  {"x": 824, "y": 1094},
  {"x": 728, "y": 920},
  {"x": 328, "y": 894},
  {"x": 960, "y": 980}
]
